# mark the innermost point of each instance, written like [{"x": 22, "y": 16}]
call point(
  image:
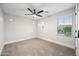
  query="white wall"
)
[
  {"x": 49, "y": 32},
  {"x": 1, "y": 31},
  {"x": 19, "y": 29}
]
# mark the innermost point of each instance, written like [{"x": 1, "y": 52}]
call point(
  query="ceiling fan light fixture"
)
[{"x": 34, "y": 16}]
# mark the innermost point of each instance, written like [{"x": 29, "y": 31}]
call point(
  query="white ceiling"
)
[{"x": 21, "y": 8}]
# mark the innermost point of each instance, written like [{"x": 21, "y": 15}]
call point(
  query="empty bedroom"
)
[{"x": 37, "y": 29}]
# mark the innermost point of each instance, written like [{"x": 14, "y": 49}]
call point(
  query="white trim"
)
[
  {"x": 18, "y": 40},
  {"x": 69, "y": 46}
]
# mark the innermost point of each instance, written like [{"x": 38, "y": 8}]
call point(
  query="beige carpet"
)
[{"x": 36, "y": 47}]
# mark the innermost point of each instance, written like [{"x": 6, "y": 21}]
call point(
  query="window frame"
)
[{"x": 58, "y": 25}]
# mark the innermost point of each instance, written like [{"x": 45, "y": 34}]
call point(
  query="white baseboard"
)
[
  {"x": 1, "y": 49},
  {"x": 18, "y": 40},
  {"x": 69, "y": 46}
]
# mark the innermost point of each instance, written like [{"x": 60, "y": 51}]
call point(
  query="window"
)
[{"x": 65, "y": 25}]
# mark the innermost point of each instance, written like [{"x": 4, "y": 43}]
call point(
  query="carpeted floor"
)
[{"x": 36, "y": 47}]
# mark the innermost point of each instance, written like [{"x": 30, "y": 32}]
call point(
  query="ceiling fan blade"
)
[
  {"x": 40, "y": 11},
  {"x": 34, "y": 11},
  {"x": 28, "y": 14},
  {"x": 39, "y": 15},
  {"x": 30, "y": 10}
]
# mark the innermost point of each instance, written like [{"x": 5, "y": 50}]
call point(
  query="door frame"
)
[{"x": 76, "y": 28}]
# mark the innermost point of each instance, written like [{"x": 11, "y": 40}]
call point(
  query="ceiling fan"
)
[{"x": 34, "y": 13}]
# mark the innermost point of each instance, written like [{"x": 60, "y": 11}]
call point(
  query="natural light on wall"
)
[{"x": 41, "y": 25}]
